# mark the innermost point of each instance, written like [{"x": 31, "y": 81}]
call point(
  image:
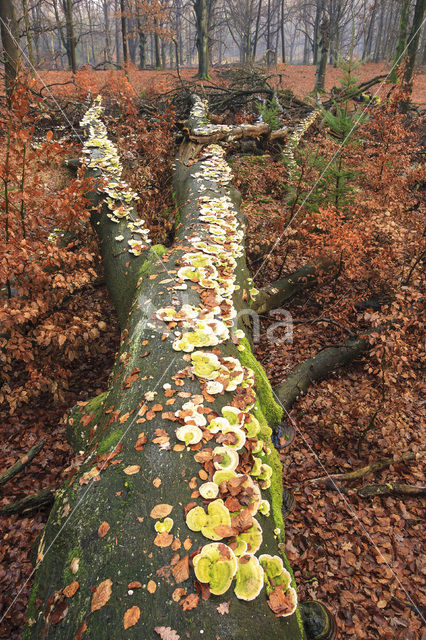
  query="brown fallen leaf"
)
[
  {"x": 163, "y": 539},
  {"x": 181, "y": 569},
  {"x": 71, "y": 589},
  {"x": 161, "y": 511},
  {"x": 166, "y": 633},
  {"x": 59, "y": 613},
  {"x": 101, "y": 595},
  {"x": 223, "y": 608},
  {"x": 103, "y": 529},
  {"x": 81, "y": 629},
  {"x": 131, "y": 616},
  {"x": 132, "y": 469}
]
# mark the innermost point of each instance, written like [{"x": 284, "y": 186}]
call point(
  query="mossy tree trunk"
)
[
  {"x": 201, "y": 16},
  {"x": 103, "y": 571}
]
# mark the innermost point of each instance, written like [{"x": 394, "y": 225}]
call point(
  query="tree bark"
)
[
  {"x": 44, "y": 498},
  {"x": 271, "y": 296},
  {"x": 322, "y": 61},
  {"x": 17, "y": 467},
  {"x": 124, "y": 33},
  {"x": 9, "y": 38},
  {"x": 70, "y": 37},
  {"x": 402, "y": 39},
  {"x": 413, "y": 39},
  {"x": 28, "y": 35},
  {"x": 200, "y": 8},
  {"x": 100, "y": 540}
]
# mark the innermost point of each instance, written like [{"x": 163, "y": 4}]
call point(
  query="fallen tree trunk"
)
[
  {"x": 271, "y": 296},
  {"x": 316, "y": 368},
  {"x": 173, "y": 520}
]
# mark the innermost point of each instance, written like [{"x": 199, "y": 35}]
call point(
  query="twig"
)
[
  {"x": 370, "y": 468},
  {"x": 12, "y": 471},
  {"x": 34, "y": 501},
  {"x": 391, "y": 489}
]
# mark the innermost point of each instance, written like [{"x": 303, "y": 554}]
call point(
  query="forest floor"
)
[
  {"x": 361, "y": 557},
  {"x": 298, "y": 78}
]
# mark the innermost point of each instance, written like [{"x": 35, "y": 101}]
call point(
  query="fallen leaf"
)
[
  {"x": 156, "y": 482},
  {"x": 134, "y": 585},
  {"x": 151, "y": 586},
  {"x": 223, "y": 608},
  {"x": 103, "y": 529},
  {"x": 178, "y": 593},
  {"x": 101, "y": 594},
  {"x": 190, "y": 602},
  {"x": 163, "y": 539},
  {"x": 75, "y": 563},
  {"x": 181, "y": 570},
  {"x": 81, "y": 629},
  {"x": 71, "y": 589},
  {"x": 131, "y": 617},
  {"x": 166, "y": 633},
  {"x": 132, "y": 469},
  {"x": 161, "y": 511}
]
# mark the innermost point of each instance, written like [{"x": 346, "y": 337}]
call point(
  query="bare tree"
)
[{"x": 9, "y": 37}]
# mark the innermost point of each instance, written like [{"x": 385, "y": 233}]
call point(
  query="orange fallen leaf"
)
[
  {"x": 103, "y": 529},
  {"x": 81, "y": 629},
  {"x": 70, "y": 589},
  {"x": 156, "y": 482},
  {"x": 101, "y": 595},
  {"x": 134, "y": 585},
  {"x": 187, "y": 544},
  {"x": 163, "y": 539},
  {"x": 151, "y": 586},
  {"x": 132, "y": 469},
  {"x": 190, "y": 602},
  {"x": 178, "y": 593},
  {"x": 161, "y": 511},
  {"x": 131, "y": 617}
]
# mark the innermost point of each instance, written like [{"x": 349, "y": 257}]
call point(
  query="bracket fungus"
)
[
  {"x": 217, "y": 516},
  {"x": 215, "y": 565},
  {"x": 249, "y": 577}
]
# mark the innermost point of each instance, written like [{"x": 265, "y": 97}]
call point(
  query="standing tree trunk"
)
[
  {"x": 70, "y": 41},
  {"x": 28, "y": 35},
  {"x": 369, "y": 39},
  {"x": 9, "y": 38},
  {"x": 256, "y": 33},
  {"x": 124, "y": 33},
  {"x": 142, "y": 43},
  {"x": 402, "y": 39},
  {"x": 413, "y": 39},
  {"x": 200, "y": 8},
  {"x": 379, "y": 36},
  {"x": 129, "y": 550},
  {"x": 157, "y": 47},
  {"x": 283, "y": 56},
  {"x": 322, "y": 62}
]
